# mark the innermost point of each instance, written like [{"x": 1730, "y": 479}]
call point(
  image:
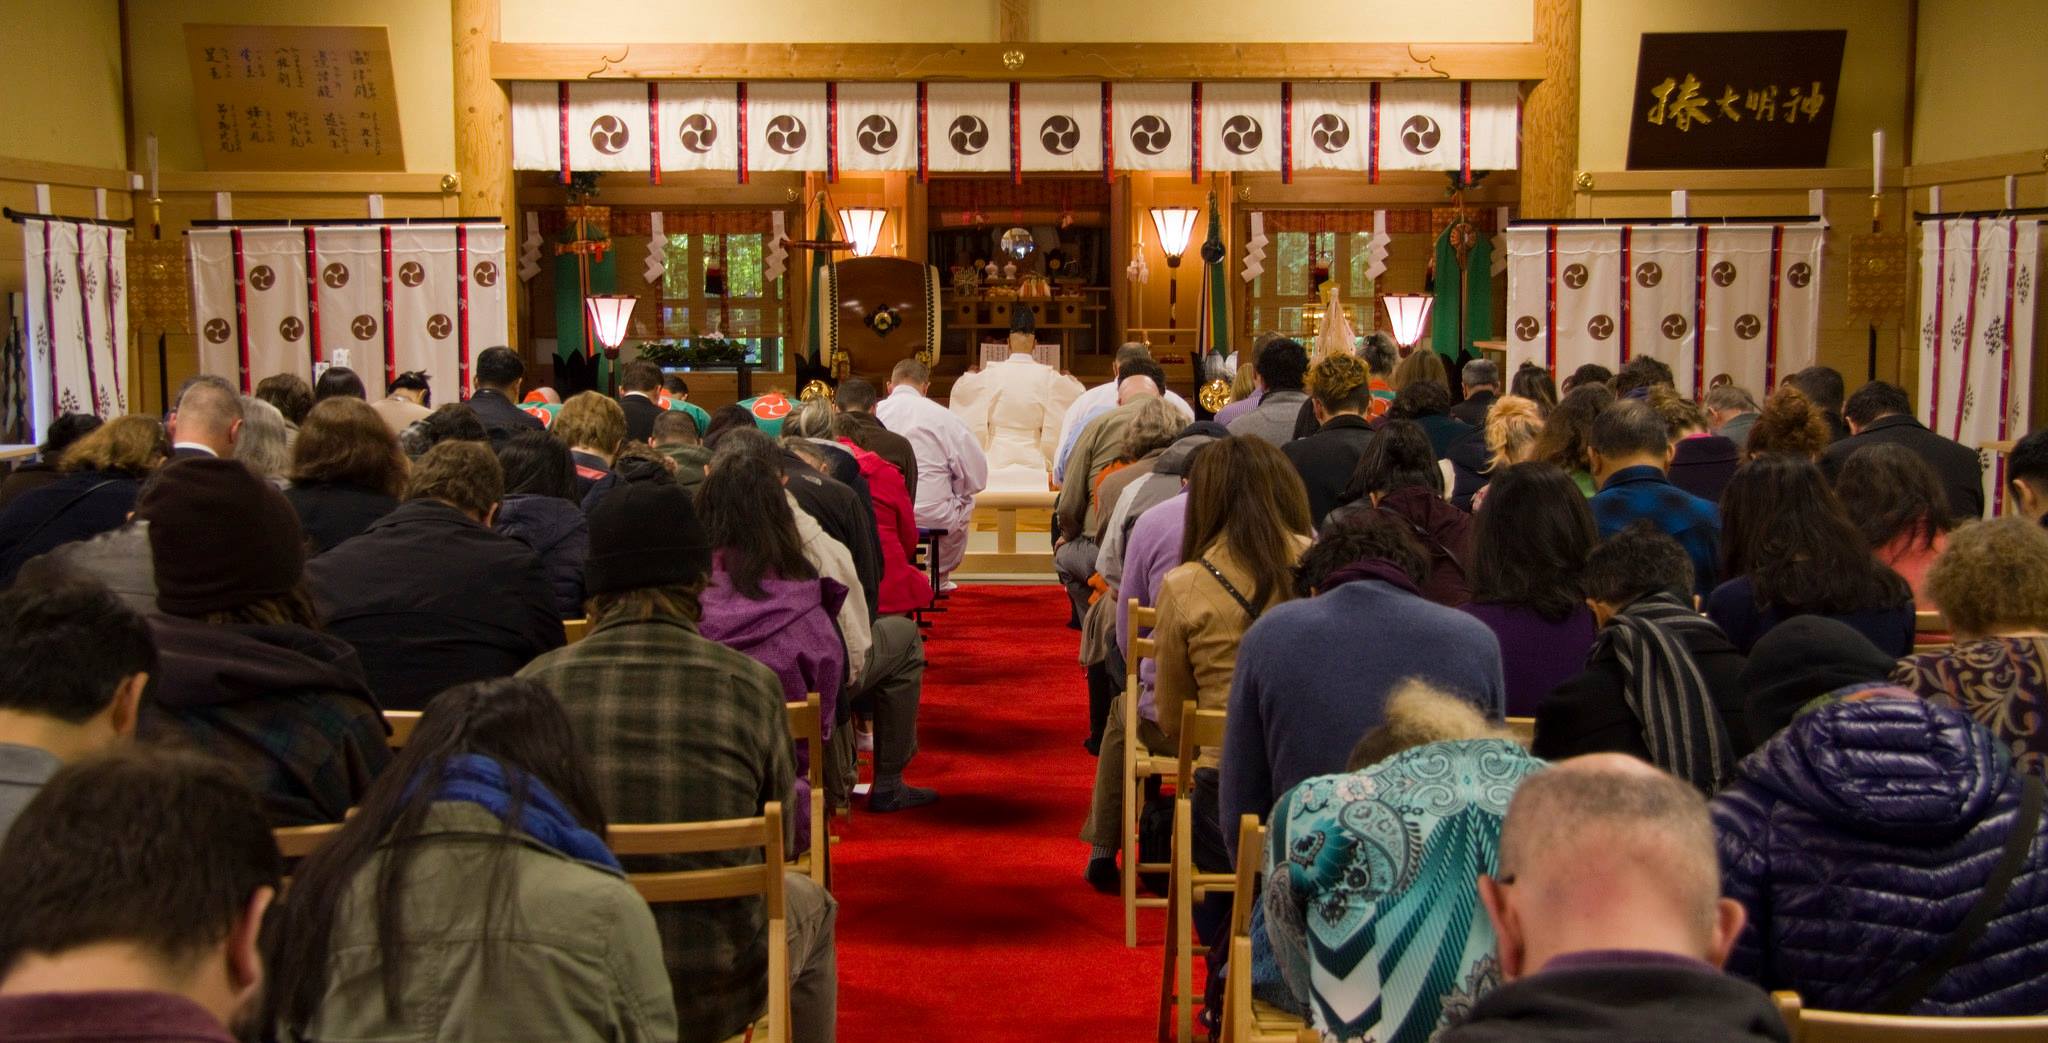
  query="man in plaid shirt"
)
[
  {"x": 1630, "y": 447},
  {"x": 680, "y": 728}
]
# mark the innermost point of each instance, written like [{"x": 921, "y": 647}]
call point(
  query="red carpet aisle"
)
[{"x": 969, "y": 920}]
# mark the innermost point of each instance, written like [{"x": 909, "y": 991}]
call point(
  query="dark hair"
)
[
  {"x": 1533, "y": 382},
  {"x": 1877, "y": 399},
  {"x": 518, "y": 725},
  {"x": 2028, "y": 461},
  {"x": 1642, "y": 371},
  {"x": 1790, "y": 422},
  {"x": 1281, "y": 364},
  {"x": 1888, "y": 491},
  {"x": 153, "y": 846},
  {"x": 1822, "y": 384},
  {"x": 1636, "y": 562},
  {"x": 674, "y": 425},
  {"x": 463, "y": 475},
  {"x": 674, "y": 384},
  {"x": 746, "y": 514},
  {"x": 537, "y": 464},
  {"x": 1563, "y": 441},
  {"x": 288, "y": 394},
  {"x": 1628, "y": 428},
  {"x": 1399, "y": 456},
  {"x": 499, "y": 367},
  {"x": 1530, "y": 540},
  {"x": 1590, "y": 373},
  {"x": 66, "y": 429},
  {"x": 640, "y": 375},
  {"x": 338, "y": 381},
  {"x": 1782, "y": 527},
  {"x": 855, "y": 395},
  {"x": 453, "y": 422},
  {"x": 345, "y": 442},
  {"x": 1145, "y": 367},
  {"x": 66, "y": 644},
  {"x": 413, "y": 380},
  {"x": 1244, "y": 494},
  {"x": 734, "y": 417},
  {"x": 1360, "y": 536},
  {"x": 1420, "y": 399}
]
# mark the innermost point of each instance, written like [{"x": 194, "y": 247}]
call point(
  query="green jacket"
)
[{"x": 576, "y": 957}]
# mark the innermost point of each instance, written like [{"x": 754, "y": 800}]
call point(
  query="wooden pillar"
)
[
  {"x": 1550, "y": 117},
  {"x": 1013, "y": 21},
  {"x": 483, "y": 140}
]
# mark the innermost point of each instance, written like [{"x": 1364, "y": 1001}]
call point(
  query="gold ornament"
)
[
  {"x": 815, "y": 390},
  {"x": 1215, "y": 395},
  {"x": 157, "y": 286},
  {"x": 1877, "y": 276}
]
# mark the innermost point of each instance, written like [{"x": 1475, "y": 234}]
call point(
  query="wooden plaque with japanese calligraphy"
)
[
  {"x": 1734, "y": 100},
  {"x": 295, "y": 97}
]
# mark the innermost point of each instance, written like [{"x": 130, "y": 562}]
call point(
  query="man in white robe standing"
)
[
  {"x": 951, "y": 467},
  {"x": 1014, "y": 407}
]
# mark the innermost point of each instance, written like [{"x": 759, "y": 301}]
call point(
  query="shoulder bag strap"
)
[
  {"x": 2026, "y": 827},
  {"x": 1231, "y": 589},
  {"x": 64, "y": 510}
]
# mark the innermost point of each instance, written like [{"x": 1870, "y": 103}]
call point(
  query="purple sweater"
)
[
  {"x": 1536, "y": 655},
  {"x": 1151, "y": 552}
]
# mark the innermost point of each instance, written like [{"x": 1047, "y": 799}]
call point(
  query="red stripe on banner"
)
[
  {"x": 1699, "y": 316},
  {"x": 1777, "y": 291},
  {"x": 462, "y": 310},
  {"x": 121, "y": 396},
  {"x": 924, "y": 167},
  {"x": 2012, "y": 274},
  {"x": 1016, "y": 134},
  {"x": 1628, "y": 282},
  {"x": 1195, "y": 138},
  {"x": 1465, "y": 132},
  {"x": 92, "y": 379},
  {"x": 740, "y": 110},
  {"x": 1372, "y": 137},
  {"x": 562, "y": 104},
  {"x": 1969, "y": 327},
  {"x": 653, "y": 131},
  {"x": 1940, "y": 302},
  {"x": 313, "y": 297},
  {"x": 831, "y": 131},
  {"x": 50, "y": 317},
  {"x": 1108, "y": 133},
  {"x": 1286, "y": 131},
  {"x": 1550, "y": 299},
  {"x": 241, "y": 307},
  {"x": 390, "y": 334}
]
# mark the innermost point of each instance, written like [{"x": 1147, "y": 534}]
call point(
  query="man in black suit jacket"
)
[
  {"x": 1881, "y": 412},
  {"x": 499, "y": 374},
  {"x": 1326, "y": 458},
  {"x": 639, "y": 382},
  {"x": 1482, "y": 386}
]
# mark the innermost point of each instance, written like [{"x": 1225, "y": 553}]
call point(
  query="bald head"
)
[
  {"x": 1608, "y": 852},
  {"x": 208, "y": 413},
  {"x": 1130, "y": 389}
]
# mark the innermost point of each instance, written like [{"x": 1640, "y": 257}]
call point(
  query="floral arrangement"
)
[{"x": 709, "y": 350}]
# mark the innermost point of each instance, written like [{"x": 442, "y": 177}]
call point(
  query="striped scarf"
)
[{"x": 1664, "y": 688}]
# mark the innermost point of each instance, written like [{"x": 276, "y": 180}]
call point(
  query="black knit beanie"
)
[
  {"x": 645, "y": 534},
  {"x": 1800, "y": 660},
  {"x": 220, "y": 537}
]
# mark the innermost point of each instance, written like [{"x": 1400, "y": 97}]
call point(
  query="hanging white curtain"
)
[
  {"x": 877, "y": 126},
  {"x": 1978, "y": 277},
  {"x": 967, "y": 127},
  {"x": 1060, "y": 126},
  {"x": 1241, "y": 127},
  {"x": 1332, "y": 126},
  {"x": 75, "y": 285},
  {"x": 1152, "y": 127}
]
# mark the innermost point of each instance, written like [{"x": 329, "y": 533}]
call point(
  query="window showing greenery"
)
[
  {"x": 750, "y": 310},
  {"x": 1277, "y": 296}
]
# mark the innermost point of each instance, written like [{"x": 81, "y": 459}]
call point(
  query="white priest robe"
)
[
  {"x": 951, "y": 467},
  {"x": 1014, "y": 407}
]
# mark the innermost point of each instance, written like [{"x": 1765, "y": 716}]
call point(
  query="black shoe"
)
[
  {"x": 1093, "y": 744},
  {"x": 1102, "y": 875},
  {"x": 900, "y": 798}
]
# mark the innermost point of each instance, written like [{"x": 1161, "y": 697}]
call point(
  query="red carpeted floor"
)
[{"x": 969, "y": 920}]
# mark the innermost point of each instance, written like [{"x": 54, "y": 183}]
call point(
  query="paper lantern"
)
[
  {"x": 609, "y": 316},
  {"x": 1174, "y": 224},
  {"x": 1407, "y": 313},
  {"x": 863, "y": 227}
]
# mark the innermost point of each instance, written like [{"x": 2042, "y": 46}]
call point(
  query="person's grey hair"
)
[
  {"x": 1640, "y": 814},
  {"x": 211, "y": 401},
  {"x": 1481, "y": 373},
  {"x": 1130, "y": 351},
  {"x": 1380, "y": 353},
  {"x": 1419, "y": 713},
  {"x": 814, "y": 419},
  {"x": 912, "y": 372},
  {"x": 1731, "y": 396},
  {"x": 1136, "y": 386},
  {"x": 1154, "y": 425},
  {"x": 262, "y": 447}
]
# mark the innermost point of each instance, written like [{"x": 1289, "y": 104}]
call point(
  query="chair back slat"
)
[
  {"x": 575, "y": 629},
  {"x": 1833, "y": 1026},
  {"x": 701, "y": 885},
  {"x": 1198, "y": 729},
  {"x": 300, "y": 841},
  {"x": 1524, "y": 729},
  {"x": 1251, "y": 844},
  {"x": 403, "y": 723},
  {"x": 688, "y": 838}
]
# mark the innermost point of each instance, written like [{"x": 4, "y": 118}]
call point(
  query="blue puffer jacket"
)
[
  {"x": 560, "y": 537},
  {"x": 1859, "y": 837}
]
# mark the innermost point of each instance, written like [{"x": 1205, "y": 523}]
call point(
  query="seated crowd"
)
[
  {"x": 1741, "y": 750},
  {"x": 1748, "y": 764}
]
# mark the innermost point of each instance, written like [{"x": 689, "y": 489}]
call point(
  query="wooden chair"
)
[
  {"x": 762, "y": 880},
  {"x": 1198, "y": 729},
  {"x": 1139, "y": 766},
  {"x": 1246, "y": 1020},
  {"x": 1832, "y": 1026},
  {"x": 575, "y": 629},
  {"x": 402, "y": 723},
  {"x": 1524, "y": 729},
  {"x": 806, "y": 724},
  {"x": 1930, "y": 632},
  {"x": 295, "y": 842}
]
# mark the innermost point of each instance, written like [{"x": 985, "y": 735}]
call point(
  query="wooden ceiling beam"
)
[{"x": 1017, "y": 61}]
